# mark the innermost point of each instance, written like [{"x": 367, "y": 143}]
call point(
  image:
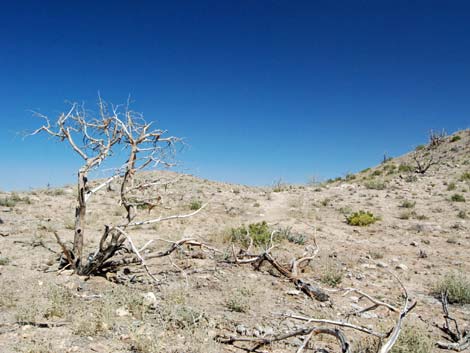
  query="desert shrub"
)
[
  {"x": 405, "y": 168},
  {"x": 4, "y": 261},
  {"x": 377, "y": 172},
  {"x": 195, "y": 205},
  {"x": 390, "y": 167},
  {"x": 259, "y": 232},
  {"x": 408, "y": 204},
  {"x": 325, "y": 202},
  {"x": 457, "y": 287},
  {"x": 7, "y": 202},
  {"x": 457, "y": 198},
  {"x": 55, "y": 192},
  {"x": 13, "y": 199},
  {"x": 364, "y": 170},
  {"x": 332, "y": 275},
  {"x": 292, "y": 237},
  {"x": 411, "y": 178},
  {"x": 60, "y": 300},
  {"x": 420, "y": 147},
  {"x": 451, "y": 186},
  {"x": 239, "y": 301},
  {"x": 375, "y": 185},
  {"x": 349, "y": 177},
  {"x": 366, "y": 344},
  {"x": 405, "y": 215},
  {"x": 462, "y": 214},
  {"x": 413, "y": 340},
  {"x": 455, "y": 138},
  {"x": 279, "y": 186},
  {"x": 361, "y": 218},
  {"x": 465, "y": 176}
]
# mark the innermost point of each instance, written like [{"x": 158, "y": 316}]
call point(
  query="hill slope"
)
[{"x": 422, "y": 235}]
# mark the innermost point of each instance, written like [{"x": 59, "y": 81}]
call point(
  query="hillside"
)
[{"x": 421, "y": 233}]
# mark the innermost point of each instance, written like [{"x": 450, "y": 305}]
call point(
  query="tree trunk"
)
[{"x": 80, "y": 213}]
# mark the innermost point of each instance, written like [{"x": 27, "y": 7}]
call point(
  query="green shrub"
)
[
  {"x": 13, "y": 199},
  {"x": 457, "y": 287},
  {"x": 332, "y": 275},
  {"x": 465, "y": 176},
  {"x": 259, "y": 232},
  {"x": 405, "y": 168},
  {"x": 375, "y": 185},
  {"x": 451, "y": 186},
  {"x": 195, "y": 205},
  {"x": 455, "y": 138},
  {"x": 408, "y": 204},
  {"x": 457, "y": 198},
  {"x": 7, "y": 202},
  {"x": 361, "y": 218},
  {"x": 420, "y": 147},
  {"x": 377, "y": 172},
  {"x": 4, "y": 261}
]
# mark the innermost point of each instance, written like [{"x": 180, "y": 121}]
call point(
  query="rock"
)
[
  {"x": 293, "y": 292},
  {"x": 413, "y": 243},
  {"x": 402, "y": 267},
  {"x": 382, "y": 264},
  {"x": 150, "y": 299},
  {"x": 241, "y": 330}
]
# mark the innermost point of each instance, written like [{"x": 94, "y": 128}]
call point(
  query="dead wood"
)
[
  {"x": 94, "y": 138},
  {"x": 458, "y": 341},
  {"x": 308, "y": 332}
]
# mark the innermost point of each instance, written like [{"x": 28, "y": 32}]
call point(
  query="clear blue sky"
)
[{"x": 259, "y": 89}]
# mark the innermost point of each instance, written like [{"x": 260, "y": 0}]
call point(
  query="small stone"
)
[
  {"x": 402, "y": 267},
  {"x": 382, "y": 264},
  {"x": 241, "y": 330},
  {"x": 150, "y": 299},
  {"x": 293, "y": 292},
  {"x": 413, "y": 243}
]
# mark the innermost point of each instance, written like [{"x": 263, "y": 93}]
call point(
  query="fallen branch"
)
[
  {"x": 309, "y": 332},
  {"x": 458, "y": 341}
]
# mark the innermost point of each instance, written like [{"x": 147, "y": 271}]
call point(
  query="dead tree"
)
[
  {"x": 94, "y": 138},
  {"x": 436, "y": 138},
  {"x": 424, "y": 159}
]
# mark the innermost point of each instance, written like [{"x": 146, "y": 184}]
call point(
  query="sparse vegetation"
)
[
  {"x": 455, "y": 138},
  {"x": 361, "y": 219},
  {"x": 405, "y": 168},
  {"x": 465, "y": 176},
  {"x": 457, "y": 198},
  {"x": 457, "y": 287},
  {"x": 375, "y": 185},
  {"x": 260, "y": 233},
  {"x": 332, "y": 275},
  {"x": 195, "y": 205},
  {"x": 451, "y": 186},
  {"x": 13, "y": 199},
  {"x": 408, "y": 204},
  {"x": 413, "y": 340}
]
